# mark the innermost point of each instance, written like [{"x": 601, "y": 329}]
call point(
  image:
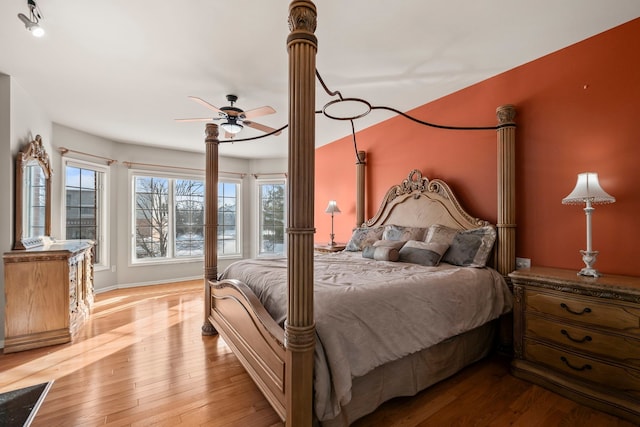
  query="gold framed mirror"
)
[{"x": 33, "y": 196}]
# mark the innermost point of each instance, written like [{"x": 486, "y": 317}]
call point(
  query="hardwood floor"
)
[{"x": 141, "y": 361}]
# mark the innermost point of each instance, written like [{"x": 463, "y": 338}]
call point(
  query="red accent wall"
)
[{"x": 578, "y": 110}]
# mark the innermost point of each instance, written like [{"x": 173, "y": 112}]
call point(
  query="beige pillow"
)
[{"x": 438, "y": 233}]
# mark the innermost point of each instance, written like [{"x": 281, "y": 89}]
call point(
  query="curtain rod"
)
[
  {"x": 64, "y": 150},
  {"x": 257, "y": 175},
  {"x": 131, "y": 164}
]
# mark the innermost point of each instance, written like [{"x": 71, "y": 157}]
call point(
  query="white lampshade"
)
[
  {"x": 588, "y": 188},
  {"x": 231, "y": 127},
  {"x": 332, "y": 207}
]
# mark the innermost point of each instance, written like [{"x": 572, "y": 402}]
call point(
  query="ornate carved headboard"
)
[{"x": 420, "y": 202}]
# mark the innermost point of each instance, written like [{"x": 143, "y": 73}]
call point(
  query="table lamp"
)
[{"x": 588, "y": 191}]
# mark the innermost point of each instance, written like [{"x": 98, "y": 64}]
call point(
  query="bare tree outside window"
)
[
  {"x": 189, "y": 203},
  {"x": 272, "y": 220},
  {"x": 151, "y": 216},
  {"x": 169, "y": 218}
]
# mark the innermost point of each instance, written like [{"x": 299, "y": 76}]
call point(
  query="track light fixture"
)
[{"x": 31, "y": 23}]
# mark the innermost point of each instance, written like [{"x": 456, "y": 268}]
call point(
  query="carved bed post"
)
[
  {"x": 506, "y": 226},
  {"x": 299, "y": 331},
  {"x": 210, "y": 221},
  {"x": 360, "y": 185}
]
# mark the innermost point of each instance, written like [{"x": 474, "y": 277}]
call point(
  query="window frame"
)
[
  {"x": 171, "y": 257},
  {"x": 133, "y": 219},
  {"x": 239, "y": 217},
  {"x": 103, "y": 214},
  {"x": 175, "y": 224},
  {"x": 258, "y": 214}
]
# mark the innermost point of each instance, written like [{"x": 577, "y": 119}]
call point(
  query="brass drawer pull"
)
[
  {"x": 566, "y": 334},
  {"x": 585, "y": 310},
  {"x": 583, "y": 368}
]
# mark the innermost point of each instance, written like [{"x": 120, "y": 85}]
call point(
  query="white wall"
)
[
  {"x": 6, "y": 169},
  {"x": 6, "y": 184},
  {"x": 21, "y": 119}
]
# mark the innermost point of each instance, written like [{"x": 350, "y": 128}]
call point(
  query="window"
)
[
  {"x": 169, "y": 218},
  {"x": 271, "y": 218},
  {"x": 151, "y": 216},
  {"x": 228, "y": 217},
  {"x": 189, "y": 203},
  {"x": 85, "y": 197}
]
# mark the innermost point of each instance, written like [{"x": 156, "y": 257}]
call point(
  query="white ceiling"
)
[{"x": 123, "y": 69}]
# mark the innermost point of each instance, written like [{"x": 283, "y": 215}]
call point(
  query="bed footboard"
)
[{"x": 255, "y": 338}]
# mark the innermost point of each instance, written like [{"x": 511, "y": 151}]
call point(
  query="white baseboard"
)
[{"x": 137, "y": 284}]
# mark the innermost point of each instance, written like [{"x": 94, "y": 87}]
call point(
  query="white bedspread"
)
[{"x": 371, "y": 312}]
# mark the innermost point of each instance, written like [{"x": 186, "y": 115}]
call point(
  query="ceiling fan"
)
[{"x": 234, "y": 118}]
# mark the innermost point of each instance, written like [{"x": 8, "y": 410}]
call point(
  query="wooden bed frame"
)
[{"x": 280, "y": 361}]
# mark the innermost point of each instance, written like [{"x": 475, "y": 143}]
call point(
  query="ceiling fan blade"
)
[
  {"x": 208, "y": 119},
  {"x": 257, "y": 112},
  {"x": 206, "y": 104},
  {"x": 258, "y": 126}
]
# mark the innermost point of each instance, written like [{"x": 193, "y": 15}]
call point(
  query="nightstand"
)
[
  {"x": 319, "y": 247},
  {"x": 579, "y": 336}
]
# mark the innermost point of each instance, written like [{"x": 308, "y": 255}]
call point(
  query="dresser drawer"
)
[
  {"x": 617, "y": 316},
  {"x": 623, "y": 349},
  {"x": 624, "y": 379}
]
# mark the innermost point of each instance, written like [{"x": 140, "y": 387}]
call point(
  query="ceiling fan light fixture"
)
[
  {"x": 231, "y": 127},
  {"x": 234, "y": 119}
]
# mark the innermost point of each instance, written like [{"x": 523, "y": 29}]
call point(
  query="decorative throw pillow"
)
[
  {"x": 399, "y": 232},
  {"x": 381, "y": 253},
  {"x": 369, "y": 250},
  {"x": 397, "y": 244},
  {"x": 422, "y": 253},
  {"x": 363, "y": 236},
  {"x": 438, "y": 233},
  {"x": 471, "y": 248}
]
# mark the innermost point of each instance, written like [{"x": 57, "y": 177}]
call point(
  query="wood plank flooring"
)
[{"x": 142, "y": 361}]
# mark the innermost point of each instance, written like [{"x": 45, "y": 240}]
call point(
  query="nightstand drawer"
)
[
  {"x": 624, "y": 379},
  {"x": 616, "y": 316},
  {"x": 623, "y": 349}
]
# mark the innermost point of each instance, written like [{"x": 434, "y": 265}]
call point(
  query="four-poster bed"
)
[{"x": 280, "y": 357}]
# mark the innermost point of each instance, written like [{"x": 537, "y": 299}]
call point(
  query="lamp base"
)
[{"x": 589, "y": 258}]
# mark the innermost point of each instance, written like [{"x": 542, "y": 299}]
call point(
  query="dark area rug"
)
[{"x": 19, "y": 407}]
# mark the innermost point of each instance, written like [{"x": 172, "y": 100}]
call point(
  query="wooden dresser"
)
[
  {"x": 580, "y": 337},
  {"x": 48, "y": 293}
]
